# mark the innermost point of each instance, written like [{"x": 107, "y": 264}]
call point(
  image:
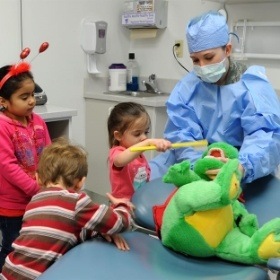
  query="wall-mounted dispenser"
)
[
  {"x": 145, "y": 14},
  {"x": 93, "y": 41}
]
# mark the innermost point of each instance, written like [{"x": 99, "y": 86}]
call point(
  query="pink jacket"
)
[{"x": 20, "y": 148}]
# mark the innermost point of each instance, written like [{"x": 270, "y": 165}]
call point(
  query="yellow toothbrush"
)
[{"x": 174, "y": 146}]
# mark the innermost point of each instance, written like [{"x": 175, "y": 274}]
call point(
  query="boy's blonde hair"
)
[{"x": 62, "y": 162}]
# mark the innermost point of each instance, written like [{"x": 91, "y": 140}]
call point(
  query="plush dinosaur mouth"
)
[{"x": 216, "y": 152}]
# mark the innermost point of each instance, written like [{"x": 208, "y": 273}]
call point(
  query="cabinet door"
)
[{"x": 97, "y": 112}]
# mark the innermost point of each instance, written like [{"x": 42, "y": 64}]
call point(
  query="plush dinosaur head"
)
[{"x": 213, "y": 157}]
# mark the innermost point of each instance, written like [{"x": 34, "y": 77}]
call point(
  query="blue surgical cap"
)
[{"x": 207, "y": 31}]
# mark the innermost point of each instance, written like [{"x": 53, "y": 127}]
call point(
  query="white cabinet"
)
[
  {"x": 58, "y": 119},
  {"x": 97, "y": 111}
]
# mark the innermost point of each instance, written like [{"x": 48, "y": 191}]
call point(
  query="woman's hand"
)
[
  {"x": 212, "y": 173},
  {"x": 119, "y": 241}
]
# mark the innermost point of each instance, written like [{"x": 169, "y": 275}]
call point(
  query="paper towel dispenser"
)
[{"x": 145, "y": 14}]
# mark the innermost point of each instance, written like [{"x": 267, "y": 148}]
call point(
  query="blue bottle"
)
[{"x": 132, "y": 73}]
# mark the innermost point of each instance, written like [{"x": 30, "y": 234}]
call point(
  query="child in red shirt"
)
[
  {"x": 128, "y": 126},
  {"x": 60, "y": 216}
]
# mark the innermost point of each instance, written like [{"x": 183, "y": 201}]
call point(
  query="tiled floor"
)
[
  {"x": 272, "y": 276},
  {"x": 97, "y": 198}
]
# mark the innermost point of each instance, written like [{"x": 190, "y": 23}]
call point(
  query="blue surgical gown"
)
[{"x": 245, "y": 114}]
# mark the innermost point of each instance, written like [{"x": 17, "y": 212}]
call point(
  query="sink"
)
[{"x": 139, "y": 94}]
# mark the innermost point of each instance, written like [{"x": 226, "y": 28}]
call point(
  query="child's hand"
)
[
  {"x": 115, "y": 200},
  {"x": 161, "y": 144},
  {"x": 118, "y": 240}
]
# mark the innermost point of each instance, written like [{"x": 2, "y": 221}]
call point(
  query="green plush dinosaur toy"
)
[{"x": 204, "y": 218}]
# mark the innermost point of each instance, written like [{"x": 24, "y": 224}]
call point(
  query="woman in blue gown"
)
[{"x": 222, "y": 100}]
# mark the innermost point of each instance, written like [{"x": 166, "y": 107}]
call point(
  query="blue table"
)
[{"x": 149, "y": 260}]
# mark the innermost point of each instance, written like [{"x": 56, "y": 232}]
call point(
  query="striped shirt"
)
[{"x": 54, "y": 222}]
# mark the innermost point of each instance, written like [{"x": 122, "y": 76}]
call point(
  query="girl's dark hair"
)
[
  {"x": 122, "y": 116},
  {"x": 13, "y": 83}
]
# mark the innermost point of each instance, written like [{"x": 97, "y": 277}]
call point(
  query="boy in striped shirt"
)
[{"x": 60, "y": 216}]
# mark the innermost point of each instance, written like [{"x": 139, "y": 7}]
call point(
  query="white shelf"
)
[
  {"x": 244, "y": 1},
  {"x": 257, "y": 23},
  {"x": 258, "y": 39},
  {"x": 245, "y": 56}
]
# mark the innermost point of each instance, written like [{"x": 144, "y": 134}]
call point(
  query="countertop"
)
[
  {"x": 54, "y": 113},
  {"x": 157, "y": 101}
]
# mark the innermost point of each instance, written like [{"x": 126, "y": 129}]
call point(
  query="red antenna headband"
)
[{"x": 22, "y": 66}]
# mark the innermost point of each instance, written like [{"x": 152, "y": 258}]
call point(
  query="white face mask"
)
[{"x": 211, "y": 73}]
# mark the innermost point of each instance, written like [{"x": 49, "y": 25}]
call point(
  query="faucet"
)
[{"x": 151, "y": 85}]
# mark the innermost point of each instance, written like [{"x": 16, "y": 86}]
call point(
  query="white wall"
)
[
  {"x": 10, "y": 31},
  {"x": 155, "y": 55},
  {"x": 260, "y": 12},
  {"x": 61, "y": 69}
]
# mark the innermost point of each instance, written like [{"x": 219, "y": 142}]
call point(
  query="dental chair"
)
[{"x": 148, "y": 259}]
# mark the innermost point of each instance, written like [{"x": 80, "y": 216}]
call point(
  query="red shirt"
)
[
  {"x": 54, "y": 222},
  {"x": 124, "y": 181}
]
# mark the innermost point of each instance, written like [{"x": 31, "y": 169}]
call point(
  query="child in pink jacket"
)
[{"x": 23, "y": 135}]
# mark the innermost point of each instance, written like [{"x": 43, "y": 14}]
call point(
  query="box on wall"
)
[{"x": 145, "y": 14}]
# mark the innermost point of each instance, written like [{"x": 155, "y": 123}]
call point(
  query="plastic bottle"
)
[
  {"x": 132, "y": 73},
  {"x": 117, "y": 77}
]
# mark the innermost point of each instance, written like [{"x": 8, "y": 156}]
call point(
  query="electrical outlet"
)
[{"x": 179, "y": 50}]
